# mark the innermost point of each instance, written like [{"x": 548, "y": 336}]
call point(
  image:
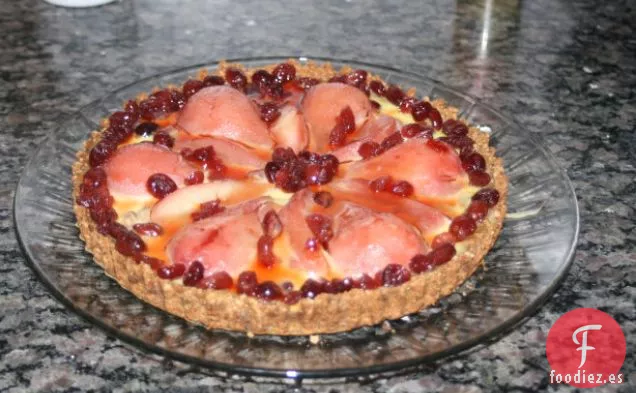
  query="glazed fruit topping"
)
[
  {"x": 159, "y": 104},
  {"x": 421, "y": 110},
  {"x": 394, "y": 94},
  {"x": 345, "y": 125},
  {"x": 194, "y": 274},
  {"x": 488, "y": 195},
  {"x": 213, "y": 80},
  {"x": 265, "y": 251},
  {"x": 247, "y": 283},
  {"x": 191, "y": 87},
  {"x": 159, "y": 185},
  {"x": 171, "y": 272},
  {"x": 394, "y": 275},
  {"x": 269, "y": 291},
  {"x": 312, "y": 288},
  {"x": 438, "y": 256},
  {"x": 369, "y": 149},
  {"x": 284, "y": 72},
  {"x": 323, "y": 198},
  {"x": 272, "y": 225},
  {"x": 321, "y": 227},
  {"x": 462, "y": 226},
  {"x": 236, "y": 78},
  {"x": 164, "y": 139},
  {"x": 218, "y": 280},
  {"x": 269, "y": 112},
  {"x": 129, "y": 243},
  {"x": 195, "y": 177}
]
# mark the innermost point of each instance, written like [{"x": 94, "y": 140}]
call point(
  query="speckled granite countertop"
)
[{"x": 564, "y": 69}]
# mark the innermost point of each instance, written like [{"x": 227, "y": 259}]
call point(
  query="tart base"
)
[{"x": 327, "y": 313}]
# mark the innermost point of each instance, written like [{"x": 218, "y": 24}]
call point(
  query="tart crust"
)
[{"x": 327, "y": 313}]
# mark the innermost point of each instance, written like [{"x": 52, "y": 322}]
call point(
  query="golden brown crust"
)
[{"x": 326, "y": 313}]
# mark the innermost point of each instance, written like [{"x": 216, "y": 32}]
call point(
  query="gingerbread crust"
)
[{"x": 327, "y": 313}]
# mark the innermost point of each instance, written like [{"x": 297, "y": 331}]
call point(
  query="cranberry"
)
[
  {"x": 394, "y": 275},
  {"x": 477, "y": 210},
  {"x": 375, "y": 105},
  {"x": 94, "y": 178},
  {"x": 191, "y": 87},
  {"x": 247, "y": 283},
  {"x": 312, "y": 244},
  {"x": 269, "y": 291},
  {"x": 442, "y": 254},
  {"x": 406, "y": 105},
  {"x": 462, "y": 226},
  {"x": 437, "y": 146},
  {"x": 284, "y": 72},
  {"x": 488, "y": 195},
  {"x": 330, "y": 163},
  {"x": 357, "y": 78},
  {"x": 218, "y": 280},
  {"x": 207, "y": 209},
  {"x": 101, "y": 152},
  {"x": 195, "y": 177},
  {"x": 158, "y": 104},
  {"x": 116, "y": 230},
  {"x": 146, "y": 128},
  {"x": 103, "y": 216},
  {"x": 272, "y": 226},
  {"x": 335, "y": 286},
  {"x": 160, "y": 185},
  {"x": 307, "y": 83},
  {"x": 427, "y": 133},
  {"x": 411, "y": 130},
  {"x": 381, "y": 184},
  {"x": 216, "y": 169},
  {"x": 403, "y": 189},
  {"x": 148, "y": 229},
  {"x": 194, "y": 274},
  {"x": 474, "y": 162},
  {"x": 347, "y": 119},
  {"x": 479, "y": 178},
  {"x": 133, "y": 109},
  {"x": 236, "y": 78},
  {"x": 154, "y": 263},
  {"x": 421, "y": 263},
  {"x": 394, "y": 94},
  {"x": 311, "y": 288},
  {"x": 178, "y": 100},
  {"x": 213, "y": 80},
  {"x": 129, "y": 243},
  {"x": 461, "y": 142},
  {"x": 369, "y": 149},
  {"x": 443, "y": 238},
  {"x": 292, "y": 297},
  {"x": 269, "y": 112},
  {"x": 287, "y": 286},
  {"x": 320, "y": 226},
  {"x": 262, "y": 79},
  {"x": 323, "y": 198},
  {"x": 391, "y": 141},
  {"x": 337, "y": 136},
  {"x": 171, "y": 272},
  {"x": 365, "y": 282},
  {"x": 421, "y": 110},
  {"x": 436, "y": 118},
  {"x": 377, "y": 87},
  {"x": 338, "y": 79},
  {"x": 201, "y": 156},
  {"x": 455, "y": 128},
  {"x": 265, "y": 251},
  {"x": 164, "y": 139},
  {"x": 270, "y": 171}
]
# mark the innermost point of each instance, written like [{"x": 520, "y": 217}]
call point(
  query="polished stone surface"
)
[{"x": 565, "y": 70}]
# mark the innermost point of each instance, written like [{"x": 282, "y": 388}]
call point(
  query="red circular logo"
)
[{"x": 585, "y": 348}]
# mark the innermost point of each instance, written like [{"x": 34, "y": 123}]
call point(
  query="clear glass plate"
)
[{"x": 528, "y": 261}]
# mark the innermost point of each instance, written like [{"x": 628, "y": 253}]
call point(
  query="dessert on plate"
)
[{"x": 290, "y": 199}]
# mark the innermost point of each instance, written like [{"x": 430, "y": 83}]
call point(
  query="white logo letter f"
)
[{"x": 584, "y": 347}]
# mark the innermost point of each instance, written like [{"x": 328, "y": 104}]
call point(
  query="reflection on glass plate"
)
[{"x": 529, "y": 259}]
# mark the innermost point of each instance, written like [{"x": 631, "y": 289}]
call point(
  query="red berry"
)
[
  {"x": 265, "y": 251},
  {"x": 283, "y": 154},
  {"x": 323, "y": 198},
  {"x": 171, "y": 272},
  {"x": 269, "y": 291},
  {"x": 247, "y": 283},
  {"x": 194, "y": 274},
  {"x": 411, "y": 130},
  {"x": 334, "y": 286},
  {"x": 462, "y": 226},
  {"x": 218, "y": 280},
  {"x": 133, "y": 109},
  {"x": 479, "y": 178},
  {"x": 311, "y": 288},
  {"x": 357, "y": 78},
  {"x": 421, "y": 110},
  {"x": 369, "y": 149},
  {"x": 284, "y": 72},
  {"x": 380, "y": 184},
  {"x": 150, "y": 229},
  {"x": 272, "y": 226},
  {"x": 164, "y": 139},
  {"x": 160, "y": 185},
  {"x": 438, "y": 146},
  {"x": 293, "y": 297},
  {"x": 262, "y": 79},
  {"x": 129, "y": 243},
  {"x": 236, "y": 78},
  {"x": 403, "y": 189},
  {"x": 474, "y": 162},
  {"x": 443, "y": 238},
  {"x": 406, "y": 106},
  {"x": 421, "y": 263},
  {"x": 442, "y": 254},
  {"x": 213, "y": 80},
  {"x": 477, "y": 210},
  {"x": 101, "y": 152},
  {"x": 269, "y": 112},
  {"x": 436, "y": 118},
  {"x": 391, "y": 141},
  {"x": 377, "y": 87},
  {"x": 365, "y": 282},
  {"x": 94, "y": 178},
  {"x": 195, "y": 177},
  {"x": 191, "y": 87},
  {"x": 488, "y": 195},
  {"x": 394, "y": 275},
  {"x": 394, "y": 94},
  {"x": 320, "y": 226},
  {"x": 207, "y": 209},
  {"x": 307, "y": 83}
]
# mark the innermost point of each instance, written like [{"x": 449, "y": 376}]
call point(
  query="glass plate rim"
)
[{"x": 488, "y": 336}]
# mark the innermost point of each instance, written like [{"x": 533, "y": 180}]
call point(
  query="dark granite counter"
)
[{"x": 565, "y": 70}]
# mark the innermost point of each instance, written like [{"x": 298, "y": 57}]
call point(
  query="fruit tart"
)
[{"x": 292, "y": 199}]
